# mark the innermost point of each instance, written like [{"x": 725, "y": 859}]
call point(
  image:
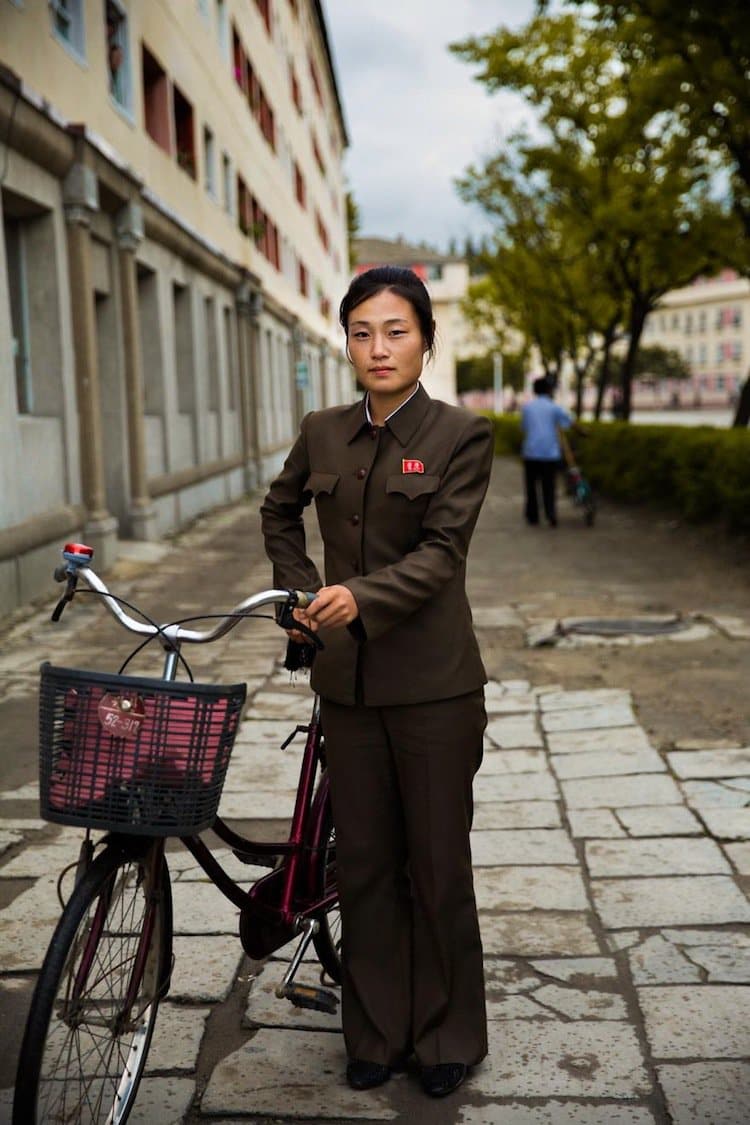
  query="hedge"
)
[{"x": 699, "y": 472}]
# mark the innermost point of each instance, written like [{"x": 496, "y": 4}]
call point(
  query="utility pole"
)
[{"x": 497, "y": 381}]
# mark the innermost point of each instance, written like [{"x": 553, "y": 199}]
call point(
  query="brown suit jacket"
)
[{"x": 397, "y": 507}]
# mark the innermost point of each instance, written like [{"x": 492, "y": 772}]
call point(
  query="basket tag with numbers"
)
[{"x": 121, "y": 715}]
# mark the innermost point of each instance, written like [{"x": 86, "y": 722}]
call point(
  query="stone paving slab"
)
[
  {"x": 705, "y": 1021},
  {"x": 619, "y": 792},
  {"x": 514, "y": 761},
  {"x": 662, "y": 820},
  {"x": 707, "y": 1092},
  {"x": 617, "y": 738},
  {"x": 681, "y": 901},
  {"x": 204, "y": 968},
  {"x": 710, "y": 763},
  {"x": 8, "y": 839},
  {"x": 726, "y": 794},
  {"x": 531, "y": 846},
  {"x": 605, "y": 763},
  {"x": 589, "y": 718},
  {"x": 596, "y": 823},
  {"x": 512, "y": 704},
  {"x": 282, "y": 1073},
  {"x": 177, "y": 1037},
  {"x": 537, "y": 933},
  {"x": 530, "y": 888},
  {"x": 515, "y": 732},
  {"x": 598, "y": 697},
  {"x": 726, "y": 824},
  {"x": 515, "y": 787},
  {"x": 555, "y": 1112},
  {"x": 199, "y": 908},
  {"x": 663, "y": 856},
  {"x": 522, "y": 814},
  {"x": 739, "y": 854},
  {"x": 562, "y": 1059},
  {"x": 655, "y": 960}
]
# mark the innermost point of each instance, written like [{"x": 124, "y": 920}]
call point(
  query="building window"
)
[
  {"x": 222, "y": 28},
  {"x": 155, "y": 100},
  {"x": 702, "y": 354},
  {"x": 183, "y": 342},
  {"x": 183, "y": 131},
  {"x": 303, "y": 283},
  {"x": 212, "y": 353},
  {"x": 736, "y": 350},
  {"x": 264, "y": 7},
  {"x": 688, "y": 323},
  {"x": 209, "y": 161},
  {"x": 227, "y": 194},
  {"x": 675, "y": 321},
  {"x": 322, "y": 232},
  {"x": 68, "y": 25},
  {"x": 239, "y": 61},
  {"x": 315, "y": 80},
  {"x": 737, "y": 317},
  {"x": 19, "y": 313},
  {"x": 244, "y": 210},
  {"x": 300, "y": 191},
  {"x": 230, "y": 345},
  {"x": 295, "y": 88},
  {"x": 317, "y": 155},
  {"x": 702, "y": 321},
  {"x": 118, "y": 52},
  {"x": 719, "y": 353}
]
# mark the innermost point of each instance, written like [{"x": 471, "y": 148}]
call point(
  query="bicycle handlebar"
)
[{"x": 77, "y": 557}]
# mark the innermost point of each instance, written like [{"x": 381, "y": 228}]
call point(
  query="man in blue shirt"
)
[{"x": 540, "y": 421}]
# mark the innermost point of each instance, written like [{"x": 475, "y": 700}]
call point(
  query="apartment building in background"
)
[
  {"x": 446, "y": 277},
  {"x": 173, "y": 251},
  {"x": 708, "y": 323}
]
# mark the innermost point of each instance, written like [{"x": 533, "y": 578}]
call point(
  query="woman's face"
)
[{"x": 386, "y": 344}]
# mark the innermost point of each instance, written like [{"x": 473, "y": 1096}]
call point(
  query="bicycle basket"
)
[{"x": 131, "y": 754}]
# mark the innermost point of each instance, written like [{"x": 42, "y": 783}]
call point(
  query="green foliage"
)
[
  {"x": 352, "y": 225},
  {"x": 508, "y": 436},
  {"x": 700, "y": 472},
  {"x": 477, "y": 372},
  {"x": 653, "y": 362}
]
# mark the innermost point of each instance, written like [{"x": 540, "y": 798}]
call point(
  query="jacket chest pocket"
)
[
  {"x": 320, "y": 485},
  {"x": 412, "y": 487}
]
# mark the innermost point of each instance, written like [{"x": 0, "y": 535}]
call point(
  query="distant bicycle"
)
[
  {"x": 578, "y": 487},
  {"x": 145, "y": 759}
]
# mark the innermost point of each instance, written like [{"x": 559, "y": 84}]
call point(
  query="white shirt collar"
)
[{"x": 399, "y": 407}]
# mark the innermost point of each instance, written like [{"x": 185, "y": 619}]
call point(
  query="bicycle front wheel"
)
[
  {"x": 327, "y": 941},
  {"x": 95, "y": 1003}
]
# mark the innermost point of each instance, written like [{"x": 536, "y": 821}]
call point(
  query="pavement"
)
[{"x": 612, "y": 866}]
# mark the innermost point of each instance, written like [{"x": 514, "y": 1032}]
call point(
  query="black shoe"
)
[
  {"x": 442, "y": 1079},
  {"x": 363, "y": 1075}
]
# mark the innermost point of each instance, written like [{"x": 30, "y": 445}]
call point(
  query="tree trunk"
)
[
  {"x": 638, "y": 315},
  {"x": 742, "y": 414},
  {"x": 609, "y": 339}
]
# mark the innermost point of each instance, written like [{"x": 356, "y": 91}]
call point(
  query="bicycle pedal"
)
[{"x": 308, "y": 996}]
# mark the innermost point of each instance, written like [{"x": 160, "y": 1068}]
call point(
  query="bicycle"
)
[
  {"x": 144, "y": 760},
  {"x": 578, "y": 487}
]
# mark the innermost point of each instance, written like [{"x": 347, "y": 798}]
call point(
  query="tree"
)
[
  {"x": 352, "y": 225},
  {"x": 630, "y": 189},
  {"x": 699, "y": 60},
  {"x": 477, "y": 372}
]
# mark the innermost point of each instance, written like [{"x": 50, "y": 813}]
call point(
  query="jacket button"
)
[
  {"x": 361, "y": 474},
  {"x": 355, "y": 520}
]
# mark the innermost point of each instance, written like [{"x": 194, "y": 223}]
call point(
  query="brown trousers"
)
[{"x": 401, "y": 786}]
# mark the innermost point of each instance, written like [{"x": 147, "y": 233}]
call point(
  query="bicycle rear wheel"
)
[
  {"x": 94, "y": 1007},
  {"x": 327, "y": 941}
]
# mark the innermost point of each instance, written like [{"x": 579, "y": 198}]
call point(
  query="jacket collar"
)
[{"x": 404, "y": 423}]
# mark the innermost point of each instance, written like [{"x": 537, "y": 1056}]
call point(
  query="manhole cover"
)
[{"x": 625, "y": 626}]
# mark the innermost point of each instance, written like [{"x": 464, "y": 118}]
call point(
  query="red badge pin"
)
[{"x": 409, "y": 465}]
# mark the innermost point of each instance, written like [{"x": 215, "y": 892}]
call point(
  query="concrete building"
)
[
  {"x": 708, "y": 323},
  {"x": 173, "y": 249},
  {"x": 447, "y": 280}
]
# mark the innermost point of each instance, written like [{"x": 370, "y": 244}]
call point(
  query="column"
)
[
  {"x": 81, "y": 200},
  {"x": 249, "y": 304},
  {"x": 129, "y": 232}
]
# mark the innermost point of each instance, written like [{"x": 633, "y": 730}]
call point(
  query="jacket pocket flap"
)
[
  {"x": 412, "y": 485},
  {"x": 321, "y": 482}
]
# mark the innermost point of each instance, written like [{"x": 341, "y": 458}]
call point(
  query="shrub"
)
[{"x": 700, "y": 472}]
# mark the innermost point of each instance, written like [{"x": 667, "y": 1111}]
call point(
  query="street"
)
[{"x": 611, "y": 838}]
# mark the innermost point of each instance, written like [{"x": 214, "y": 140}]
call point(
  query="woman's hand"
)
[{"x": 333, "y": 606}]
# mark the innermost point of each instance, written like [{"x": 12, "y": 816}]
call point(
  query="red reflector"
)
[{"x": 78, "y": 550}]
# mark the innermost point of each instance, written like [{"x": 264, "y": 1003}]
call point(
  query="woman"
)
[{"x": 398, "y": 480}]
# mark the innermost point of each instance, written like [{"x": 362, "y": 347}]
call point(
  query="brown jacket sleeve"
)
[
  {"x": 387, "y": 596},
  {"x": 282, "y": 523}
]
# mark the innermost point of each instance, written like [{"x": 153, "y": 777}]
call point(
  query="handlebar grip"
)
[{"x": 304, "y": 598}]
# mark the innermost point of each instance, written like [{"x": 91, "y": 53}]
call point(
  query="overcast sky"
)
[{"x": 416, "y": 117}]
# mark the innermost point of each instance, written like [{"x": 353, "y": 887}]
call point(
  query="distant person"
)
[{"x": 540, "y": 420}]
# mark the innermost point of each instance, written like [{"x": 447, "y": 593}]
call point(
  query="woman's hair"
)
[{"x": 404, "y": 283}]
